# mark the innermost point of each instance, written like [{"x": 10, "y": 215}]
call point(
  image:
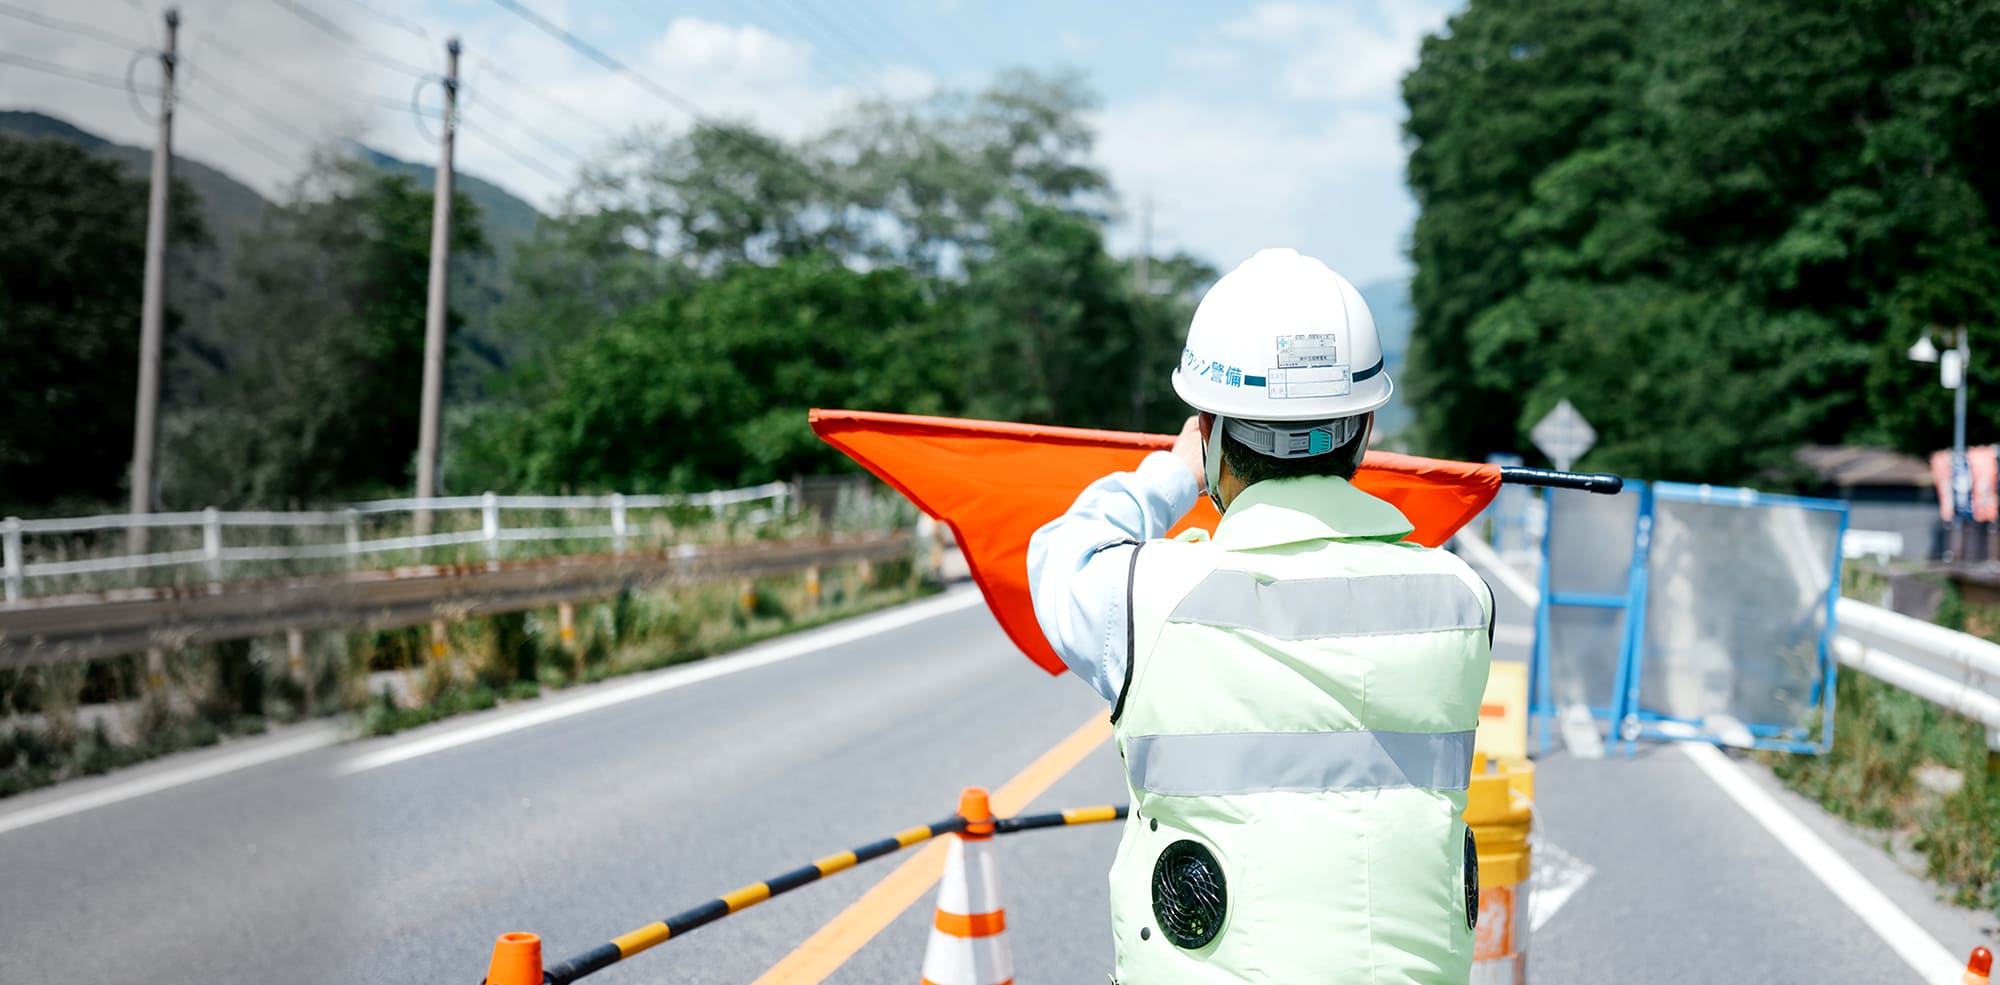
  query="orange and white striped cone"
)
[{"x": 969, "y": 935}]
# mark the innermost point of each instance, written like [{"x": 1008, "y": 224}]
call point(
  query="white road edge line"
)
[
  {"x": 537, "y": 714},
  {"x": 1912, "y": 943},
  {"x": 667, "y": 680},
  {"x": 166, "y": 779}
]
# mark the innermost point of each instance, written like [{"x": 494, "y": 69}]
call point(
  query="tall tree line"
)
[
  {"x": 667, "y": 328},
  {"x": 1716, "y": 228}
]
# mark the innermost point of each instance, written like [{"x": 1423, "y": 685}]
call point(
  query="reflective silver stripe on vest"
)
[
  {"x": 1223, "y": 763},
  {"x": 1324, "y": 608}
]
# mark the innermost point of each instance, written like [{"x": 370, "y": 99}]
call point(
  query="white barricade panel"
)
[
  {"x": 1586, "y": 593},
  {"x": 1738, "y": 592}
]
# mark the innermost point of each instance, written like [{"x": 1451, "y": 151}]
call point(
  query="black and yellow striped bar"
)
[
  {"x": 654, "y": 934},
  {"x": 1075, "y": 815}
]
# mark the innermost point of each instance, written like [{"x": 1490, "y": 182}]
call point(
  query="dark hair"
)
[{"x": 1253, "y": 467}]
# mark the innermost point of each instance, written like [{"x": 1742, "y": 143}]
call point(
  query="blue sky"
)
[{"x": 1247, "y": 124}]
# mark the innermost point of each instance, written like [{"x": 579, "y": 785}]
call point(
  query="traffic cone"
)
[
  {"x": 1979, "y": 970},
  {"x": 517, "y": 960},
  {"x": 968, "y": 937}
]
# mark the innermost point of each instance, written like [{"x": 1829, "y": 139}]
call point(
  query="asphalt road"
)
[{"x": 594, "y": 824}]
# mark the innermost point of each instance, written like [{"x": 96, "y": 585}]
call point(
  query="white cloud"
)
[
  {"x": 1234, "y": 179},
  {"x": 318, "y": 89},
  {"x": 1340, "y": 52}
]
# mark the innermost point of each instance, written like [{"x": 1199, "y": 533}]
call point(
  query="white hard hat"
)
[{"x": 1283, "y": 338}]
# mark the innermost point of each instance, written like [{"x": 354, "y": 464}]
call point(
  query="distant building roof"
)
[{"x": 1847, "y": 467}]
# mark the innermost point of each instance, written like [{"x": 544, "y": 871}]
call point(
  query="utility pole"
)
[
  {"x": 152, "y": 306},
  {"x": 434, "y": 314}
]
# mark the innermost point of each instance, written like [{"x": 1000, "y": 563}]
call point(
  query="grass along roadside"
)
[
  {"x": 1917, "y": 773},
  {"x": 67, "y": 721},
  {"x": 634, "y": 634}
]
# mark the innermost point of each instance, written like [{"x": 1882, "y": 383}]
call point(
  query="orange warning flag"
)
[{"x": 995, "y": 484}]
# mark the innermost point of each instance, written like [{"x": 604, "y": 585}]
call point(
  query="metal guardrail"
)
[
  {"x": 16, "y": 571},
  {"x": 1953, "y": 670},
  {"x": 86, "y": 627}
]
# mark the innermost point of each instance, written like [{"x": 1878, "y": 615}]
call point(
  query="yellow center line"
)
[{"x": 830, "y": 947}]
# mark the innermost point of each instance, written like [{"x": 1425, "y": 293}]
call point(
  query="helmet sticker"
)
[
  {"x": 1308, "y": 350},
  {"x": 1313, "y": 381}
]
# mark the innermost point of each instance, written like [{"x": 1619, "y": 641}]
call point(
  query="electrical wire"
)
[
  {"x": 79, "y": 75},
  {"x": 835, "y": 29},
  {"x": 393, "y": 20},
  {"x": 527, "y": 160},
  {"x": 341, "y": 34},
  {"x": 798, "y": 26},
  {"x": 82, "y": 30},
  {"x": 896, "y": 36},
  {"x": 470, "y": 94},
  {"x": 209, "y": 40},
  {"x": 241, "y": 136},
  {"x": 266, "y": 117},
  {"x": 659, "y": 91},
  {"x": 568, "y": 110}
]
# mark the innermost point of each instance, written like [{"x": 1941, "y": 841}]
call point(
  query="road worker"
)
[{"x": 1294, "y": 697}]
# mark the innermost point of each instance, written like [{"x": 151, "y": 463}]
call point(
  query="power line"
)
[
  {"x": 567, "y": 109},
  {"x": 268, "y": 118},
  {"x": 659, "y": 91},
  {"x": 534, "y": 134},
  {"x": 84, "y": 30},
  {"x": 895, "y": 35},
  {"x": 241, "y": 136},
  {"x": 362, "y": 48},
  {"x": 288, "y": 82},
  {"x": 526, "y": 159},
  {"x": 839, "y": 32},
  {"x": 79, "y": 75},
  {"x": 393, "y": 20},
  {"x": 795, "y": 24}
]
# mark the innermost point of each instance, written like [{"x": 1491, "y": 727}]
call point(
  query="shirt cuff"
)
[{"x": 1168, "y": 487}]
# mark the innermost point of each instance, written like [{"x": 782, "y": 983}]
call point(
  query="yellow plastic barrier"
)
[{"x": 1499, "y": 809}]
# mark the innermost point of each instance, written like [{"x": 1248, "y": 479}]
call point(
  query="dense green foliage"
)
[
  {"x": 334, "y": 286},
  {"x": 1713, "y": 227},
  {"x": 705, "y": 289},
  {"x": 71, "y": 260},
  {"x": 668, "y": 328}
]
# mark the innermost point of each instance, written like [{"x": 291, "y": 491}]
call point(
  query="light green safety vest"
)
[{"x": 1296, "y": 723}]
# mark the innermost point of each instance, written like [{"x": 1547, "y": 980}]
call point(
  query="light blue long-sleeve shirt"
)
[{"x": 1079, "y": 564}]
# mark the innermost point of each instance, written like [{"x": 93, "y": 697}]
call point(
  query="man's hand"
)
[{"x": 1188, "y": 449}]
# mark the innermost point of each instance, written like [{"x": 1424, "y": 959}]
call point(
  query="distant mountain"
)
[
  {"x": 1389, "y": 302},
  {"x": 507, "y": 218},
  {"x": 478, "y": 284},
  {"x": 230, "y": 210},
  {"x": 229, "y": 207}
]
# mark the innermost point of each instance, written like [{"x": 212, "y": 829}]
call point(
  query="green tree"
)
[
  {"x": 711, "y": 387},
  {"x": 72, "y": 255},
  {"x": 1714, "y": 227},
  {"x": 336, "y": 285}
]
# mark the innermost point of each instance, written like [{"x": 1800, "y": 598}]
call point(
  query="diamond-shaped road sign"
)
[{"x": 1563, "y": 436}]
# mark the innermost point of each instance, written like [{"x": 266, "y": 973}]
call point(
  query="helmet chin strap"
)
[{"x": 1211, "y": 461}]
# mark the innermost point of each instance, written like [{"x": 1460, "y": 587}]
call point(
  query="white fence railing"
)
[
  {"x": 1956, "y": 671},
  {"x": 17, "y": 571}
]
